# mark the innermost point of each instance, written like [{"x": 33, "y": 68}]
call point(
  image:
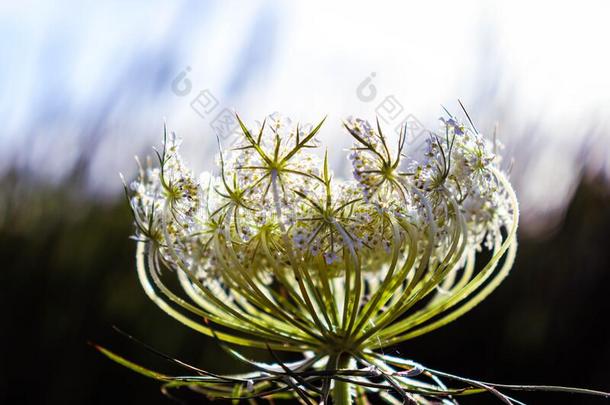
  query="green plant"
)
[{"x": 274, "y": 252}]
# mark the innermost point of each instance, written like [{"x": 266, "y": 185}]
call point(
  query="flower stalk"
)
[{"x": 342, "y": 392}]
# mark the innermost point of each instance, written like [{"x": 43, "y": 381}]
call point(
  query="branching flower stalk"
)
[{"x": 275, "y": 252}]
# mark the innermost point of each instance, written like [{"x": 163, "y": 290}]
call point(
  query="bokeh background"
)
[{"x": 87, "y": 85}]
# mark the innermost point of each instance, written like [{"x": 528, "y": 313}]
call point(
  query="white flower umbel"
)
[{"x": 275, "y": 252}]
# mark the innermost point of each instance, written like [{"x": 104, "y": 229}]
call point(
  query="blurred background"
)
[{"x": 87, "y": 85}]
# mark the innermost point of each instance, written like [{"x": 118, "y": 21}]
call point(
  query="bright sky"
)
[{"x": 96, "y": 77}]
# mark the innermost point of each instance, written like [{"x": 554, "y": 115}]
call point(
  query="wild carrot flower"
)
[{"x": 276, "y": 252}]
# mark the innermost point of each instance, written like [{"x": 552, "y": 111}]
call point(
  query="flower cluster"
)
[
  {"x": 273, "y": 250},
  {"x": 273, "y": 201}
]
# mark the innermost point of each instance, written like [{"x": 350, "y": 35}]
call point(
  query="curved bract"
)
[{"x": 274, "y": 251}]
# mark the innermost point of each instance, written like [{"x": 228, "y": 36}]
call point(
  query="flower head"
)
[{"x": 274, "y": 251}]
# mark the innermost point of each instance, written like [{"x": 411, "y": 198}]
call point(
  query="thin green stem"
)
[{"x": 341, "y": 390}]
